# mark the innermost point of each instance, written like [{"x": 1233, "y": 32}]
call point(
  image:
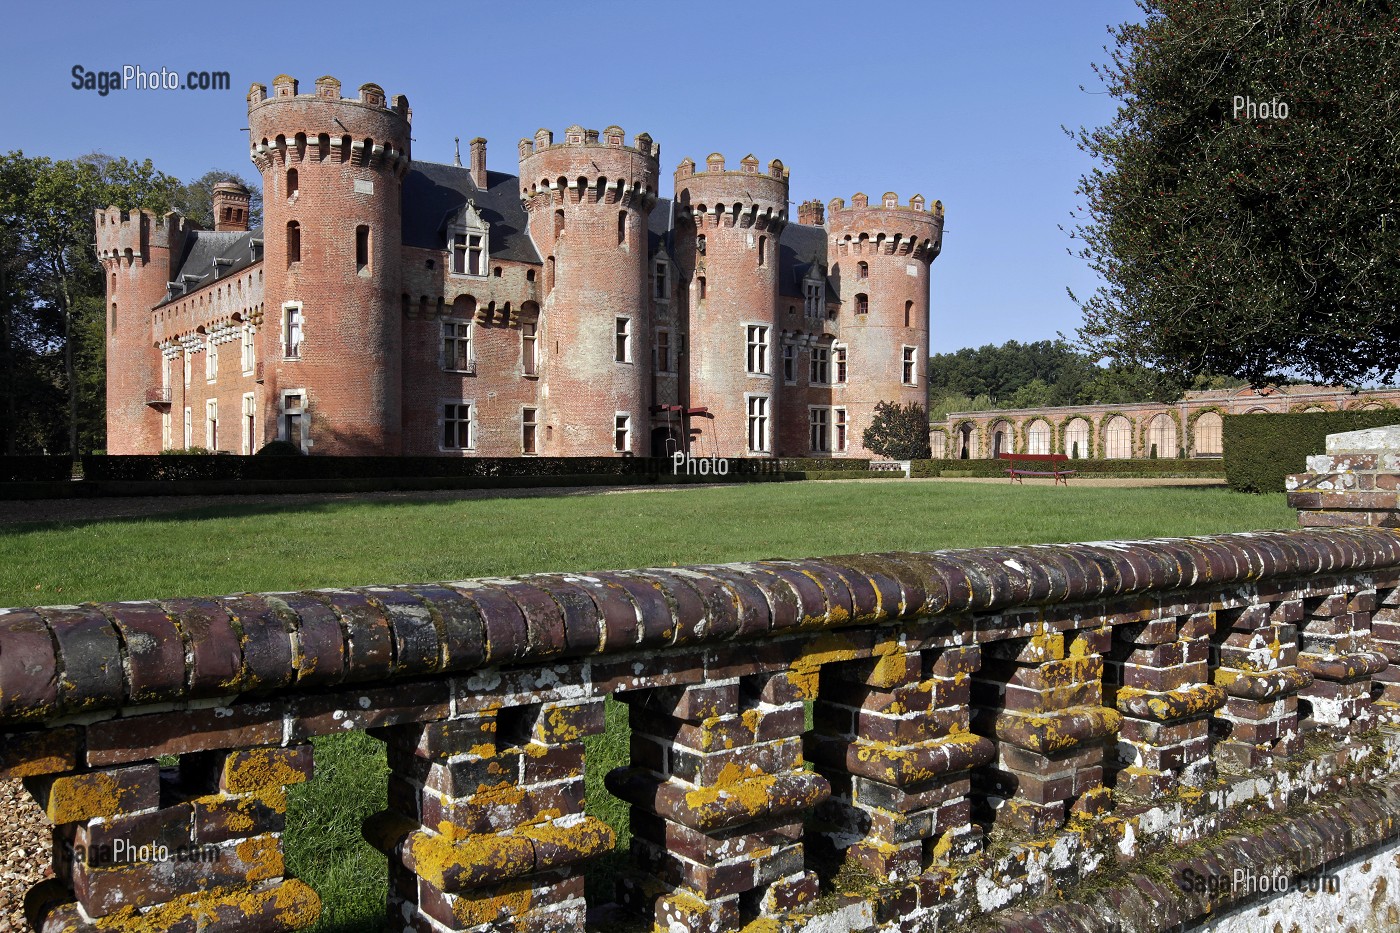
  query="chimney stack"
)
[
  {"x": 479, "y": 162},
  {"x": 230, "y": 206},
  {"x": 811, "y": 213}
]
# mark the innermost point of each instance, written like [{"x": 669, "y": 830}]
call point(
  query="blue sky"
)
[{"x": 959, "y": 100}]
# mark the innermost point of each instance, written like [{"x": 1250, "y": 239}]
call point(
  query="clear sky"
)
[{"x": 960, "y": 100}]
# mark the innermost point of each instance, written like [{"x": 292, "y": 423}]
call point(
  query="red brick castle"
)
[{"x": 389, "y": 306}]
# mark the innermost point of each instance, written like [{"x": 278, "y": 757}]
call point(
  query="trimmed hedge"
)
[
  {"x": 1083, "y": 467},
  {"x": 1261, "y": 450},
  {"x": 848, "y": 474},
  {"x": 35, "y": 469}
]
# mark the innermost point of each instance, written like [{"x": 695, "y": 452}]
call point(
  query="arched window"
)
[
  {"x": 293, "y": 183},
  {"x": 909, "y": 314},
  {"x": 1207, "y": 431},
  {"x": 862, "y": 270},
  {"x": 293, "y": 242},
  {"x": 558, "y": 222},
  {"x": 1118, "y": 438},
  {"x": 762, "y": 250},
  {"x": 1161, "y": 437},
  {"x": 862, "y": 304},
  {"x": 1077, "y": 439},
  {"x": 1038, "y": 437}
]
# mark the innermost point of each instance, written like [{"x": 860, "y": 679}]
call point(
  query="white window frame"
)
[
  {"x": 249, "y": 409},
  {"x": 530, "y": 349},
  {"x": 765, "y": 418},
  {"x": 165, "y": 430},
  {"x": 524, "y": 423},
  {"x": 840, "y": 364},
  {"x": 457, "y": 338},
  {"x": 292, "y": 311},
  {"x": 301, "y": 410},
  {"x": 189, "y": 367},
  {"x": 211, "y": 424},
  {"x": 211, "y": 359},
  {"x": 909, "y": 359},
  {"x": 757, "y": 349},
  {"x": 622, "y": 423},
  {"x": 811, "y": 298},
  {"x": 790, "y": 357},
  {"x": 247, "y": 350},
  {"x": 189, "y": 427},
  {"x": 622, "y": 330},
  {"x": 471, "y": 423},
  {"x": 819, "y": 420},
  {"x": 165, "y": 373},
  {"x": 468, "y": 224},
  {"x": 819, "y": 363}
]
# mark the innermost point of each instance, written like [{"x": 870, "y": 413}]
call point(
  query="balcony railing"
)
[{"x": 158, "y": 397}]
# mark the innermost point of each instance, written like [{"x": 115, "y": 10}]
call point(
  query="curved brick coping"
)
[{"x": 60, "y": 661}]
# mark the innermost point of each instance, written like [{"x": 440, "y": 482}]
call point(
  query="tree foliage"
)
[
  {"x": 196, "y": 199},
  {"x": 898, "y": 432},
  {"x": 1241, "y": 241}
]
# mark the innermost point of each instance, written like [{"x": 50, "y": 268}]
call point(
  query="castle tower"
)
[
  {"x": 727, "y": 228},
  {"x": 136, "y": 250},
  {"x": 588, "y": 199},
  {"x": 880, "y": 258},
  {"x": 332, "y": 171},
  {"x": 231, "y": 201}
]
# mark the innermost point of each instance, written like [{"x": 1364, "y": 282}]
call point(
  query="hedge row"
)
[
  {"x": 35, "y": 469},
  {"x": 997, "y": 468},
  {"x": 1261, "y": 450}
]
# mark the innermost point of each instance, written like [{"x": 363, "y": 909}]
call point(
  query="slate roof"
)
[
  {"x": 799, "y": 247},
  {"x": 204, "y": 247},
  {"x": 661, "y": 228},
  {"x": 433, "y": 191}
]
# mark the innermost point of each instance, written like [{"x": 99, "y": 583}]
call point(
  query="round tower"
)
[
  {"x": 880, "y": 257},
  {"x": 332, "y": 170},
  {"x": 588, "y": 199},
  {"x": 136, "y": 251},
  {"x": 728, "y": 224}
]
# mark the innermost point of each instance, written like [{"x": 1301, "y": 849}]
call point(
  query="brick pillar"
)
[
  {"x": 485, "y": 829},
  {"x": 135, "y": 838},
  {"x": 1353, "y": 483},
  {"x": 1337, "y": 651},
  {"x": 1258, "y": 655},
  {"x": 893, "y": 737},
  {"x": 718, "y": 795},
  {"x": 1159, "y": 671},
  {"x": 1385, "y": 635},
  {"x": 1042, "y": 699}
]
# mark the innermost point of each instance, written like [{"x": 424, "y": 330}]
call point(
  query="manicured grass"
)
[{"x": 343, "y": 543}]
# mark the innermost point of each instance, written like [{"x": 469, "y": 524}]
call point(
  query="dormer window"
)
[
  {"x": 467, "y": 241},
  {"x": 812, "y": 299}
]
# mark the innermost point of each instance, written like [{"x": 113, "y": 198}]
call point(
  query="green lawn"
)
[{"x": 242, "y": 548}]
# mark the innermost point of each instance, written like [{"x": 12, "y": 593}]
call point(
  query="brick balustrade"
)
[{"x": 876, "y": 743}]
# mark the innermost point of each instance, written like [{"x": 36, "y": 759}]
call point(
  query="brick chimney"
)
[
  {"x": 479, "y": 162},
  {"x": 230, "y": 206},
  {"x": 811, "y": 213}
]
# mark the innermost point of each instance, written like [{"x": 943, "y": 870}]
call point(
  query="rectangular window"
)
[
  {"x": 663, "y": 351},
  {"x": 474, "y": 255},
  {"x": 211, "y": 359},
  {"x": 248, "y": 349},
  {"x": 812, "y": 304},
  {"x": 622, "y": 432},
  {"x": 624, "y": 340},
  {"x": 362, "y": 249},
  {"x": 818, "y": 422},
  {"x": 840, "y": 365},
  {"x": 211, "y": 424},
  {"x": 790, "y": 363},
  {"x": 458, "y": 426},
  {"x": 165, "y": 430},
  {"x": 189, "y": 429},
  {"x": 758, "y": 423},
  {"x": 250, "y": 437},
  {"x": 459, "y": 254},
  {"x": 839, "y": 440},
  {"x": 189, "y": 370},
  {"x": 457, "y": 347},
  {"x": 529, "y": 349},
  {"x": 293, "y": 426},
  {"x": 165, "y": 373},
  {"x": 291, "y": 332},
  {"x": 820, "y": 370},
  {"x": 528, "y": 427},
  {"x": 663, "y": 286},
  {"x": 757, "y": 350},
  {"x": 910, "y": 372}
]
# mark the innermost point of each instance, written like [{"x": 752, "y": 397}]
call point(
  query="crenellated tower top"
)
[
  {"x": 745, "y": 197},
  {"x": 132, "y": 235},
  {"x": 600, "y": 167},
  {"x": 286, "y": 126},
  {"x": 888, "y": 227}
]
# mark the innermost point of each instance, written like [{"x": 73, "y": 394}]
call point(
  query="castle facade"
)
[{"x": 389, "y": 306}]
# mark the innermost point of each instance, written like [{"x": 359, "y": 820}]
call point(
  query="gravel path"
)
[{"x": 24, "y": 851}]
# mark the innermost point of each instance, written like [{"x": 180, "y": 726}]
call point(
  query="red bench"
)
[{"x": 1021, "y": 465}]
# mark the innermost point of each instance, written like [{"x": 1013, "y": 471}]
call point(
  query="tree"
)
[
  {"x": 196, "y": 199},
  {"x": 1244, "y": 214},
  {"x": 898, "y": 432}
]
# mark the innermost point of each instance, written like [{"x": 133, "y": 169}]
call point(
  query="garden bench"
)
[{"x": 1020, "y": 465}]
